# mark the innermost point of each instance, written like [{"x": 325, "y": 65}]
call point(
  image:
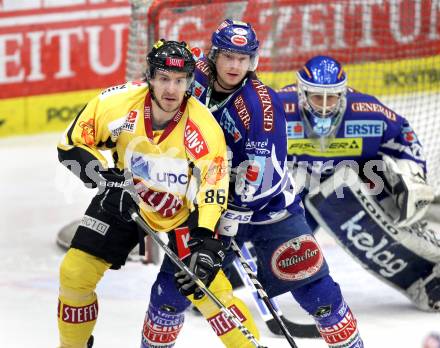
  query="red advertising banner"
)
[
  {"x": 291, "y": 31},
  {"x": 49, "y": 46}
]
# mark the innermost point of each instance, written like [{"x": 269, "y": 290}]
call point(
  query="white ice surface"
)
[{"x": 39, "y": 196}]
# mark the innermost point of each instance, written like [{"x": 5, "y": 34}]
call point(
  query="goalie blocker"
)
[{"x": 407, "y": 258}]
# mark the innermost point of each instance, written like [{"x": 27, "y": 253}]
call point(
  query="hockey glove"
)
[
  {"x": 114, "y": 189},
  {"x": 412, "y": 195},
  {"x": 205, "y": 261}
]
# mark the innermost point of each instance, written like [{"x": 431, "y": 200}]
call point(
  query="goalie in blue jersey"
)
[{"x": 365, "y": 178}]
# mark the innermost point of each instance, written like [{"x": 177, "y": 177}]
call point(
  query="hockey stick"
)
[
  {"x": 296, "y": 330},
  {"x": 179, "y": 263},
  {"x": 262, "y": 293}
]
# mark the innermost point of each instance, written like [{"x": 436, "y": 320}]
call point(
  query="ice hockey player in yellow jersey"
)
[{"x": 169, "y": 148}]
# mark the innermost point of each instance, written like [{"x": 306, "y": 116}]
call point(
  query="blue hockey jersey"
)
[
  {"x": 254, "y": 125},
  {"x": 367, "y": 131}
]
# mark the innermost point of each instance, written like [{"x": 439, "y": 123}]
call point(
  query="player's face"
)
[
  {"x": 324, "y": 104},
  {"x": 231, "y": 68},
  {"x": 169, "y": 88}
]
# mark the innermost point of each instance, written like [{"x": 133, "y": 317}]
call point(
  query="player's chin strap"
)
[
  {"x": 412, "y": 195},
  {"x": 179, "y": 263}
]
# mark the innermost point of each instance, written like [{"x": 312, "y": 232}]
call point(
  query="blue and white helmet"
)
[
  {"x": 238, "y": 37},
  {"x": 322, "y": 89}
]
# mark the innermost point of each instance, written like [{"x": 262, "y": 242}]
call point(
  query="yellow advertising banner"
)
[
  {"x": 41, "y": 113},
  {"x": 379, "y": 78}
]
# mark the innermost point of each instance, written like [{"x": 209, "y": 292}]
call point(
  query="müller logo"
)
[{"x": 297, "y": 259}]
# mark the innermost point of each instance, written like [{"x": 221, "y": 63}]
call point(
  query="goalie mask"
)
[
  {"x": 237, "y": 37},
  {"x": 171, "y": 56},
  {"x": 322, "y": 88}
]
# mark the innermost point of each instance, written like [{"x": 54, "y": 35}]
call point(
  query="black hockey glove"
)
[
  {"x": 114, "y": 190},
  {"x": 205, "y": 261}
]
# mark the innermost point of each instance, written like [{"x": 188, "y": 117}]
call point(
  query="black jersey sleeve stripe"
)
[{"x": 70, "y": 131}]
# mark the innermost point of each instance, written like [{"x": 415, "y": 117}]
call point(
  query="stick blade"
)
[{"x": 296, "y": 330}]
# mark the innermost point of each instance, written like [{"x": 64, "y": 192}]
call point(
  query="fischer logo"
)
[
  {"x": 77, "y": 315},
  {"x": 221, "y": 324},
  {"x": 376, "y": 251},
  {"x": 266, "y": 104},
  {"x": 194, "y": 142}
]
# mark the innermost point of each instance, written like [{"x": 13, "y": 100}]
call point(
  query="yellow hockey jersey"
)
[{"x": 190, "y": 162}]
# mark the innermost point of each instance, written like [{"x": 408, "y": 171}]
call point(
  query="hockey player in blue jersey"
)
[
  {"x": 330, "y": 126},
  {"x": 262, "y": 205}
]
